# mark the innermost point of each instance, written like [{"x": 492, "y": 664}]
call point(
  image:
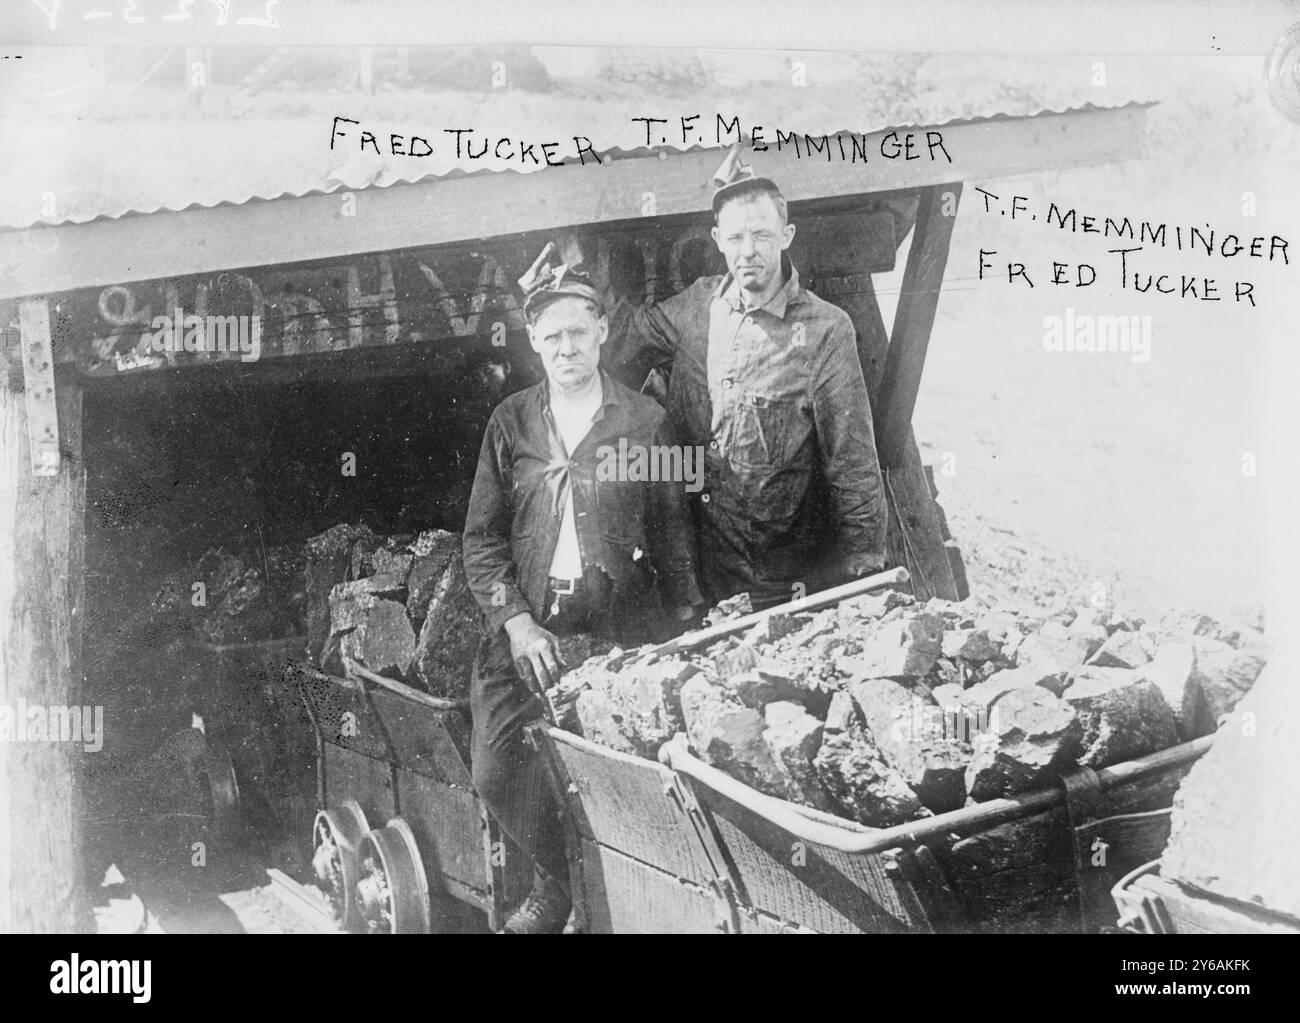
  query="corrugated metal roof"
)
[{"x": 80, "y": 169}]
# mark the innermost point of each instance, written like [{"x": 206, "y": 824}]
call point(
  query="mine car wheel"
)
[
  {"x": 336, "y": 841},
  {"x": 393, "y": 892}
]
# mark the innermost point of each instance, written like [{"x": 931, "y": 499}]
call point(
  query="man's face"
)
[
  {"x": 567, "y": 334},
  {"x": 751, "y": 236}
]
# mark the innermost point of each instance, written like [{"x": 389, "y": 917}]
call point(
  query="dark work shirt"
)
[
  {"x": 776, "y": 395},
  {"x": 637, "y": 532}
]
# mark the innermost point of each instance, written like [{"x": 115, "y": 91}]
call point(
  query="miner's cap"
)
[
  {"x": 561, "y": 282},
  {"x": 741, "y": 186}
]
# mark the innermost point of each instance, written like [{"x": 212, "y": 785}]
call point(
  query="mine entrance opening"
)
[{"x": 201, "y": 490}]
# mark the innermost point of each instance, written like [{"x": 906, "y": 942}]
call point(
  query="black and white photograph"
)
[{"x": 557, "y": 475}]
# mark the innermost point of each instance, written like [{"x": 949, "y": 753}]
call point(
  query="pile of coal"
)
[
  {"x": 230, "y": 595},
  {"x": 329, "y": 560},
  {"x": 398, "y": 606},
  {"x": 885, "y": 710},
  {"x": 249, "y": 595}
]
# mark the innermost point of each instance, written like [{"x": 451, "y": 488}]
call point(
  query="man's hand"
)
[
  {"x": 592, "y": 261},
  {"x": 688, "y": 617},
  {"x": 535, "y": 651},
  {"x": 535, "y": 272},
  {"x": 566, "y": 249},
  {"x": 860, "y": 566}
]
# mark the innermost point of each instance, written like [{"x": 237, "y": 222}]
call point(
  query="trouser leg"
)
[{"x": 509, "y": 775}]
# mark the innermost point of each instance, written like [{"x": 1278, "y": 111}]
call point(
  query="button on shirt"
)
[
  {"x": 638, "y": 533},
  {"x": 777, "y": 397},
  {"x": 741, "y": 349}
]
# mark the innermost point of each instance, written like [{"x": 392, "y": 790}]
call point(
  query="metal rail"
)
[
  {"x": 306, "y": 904},
  {"x": 793, "y": 819},
  {"x": 409, "y": 692},
  {"x": 812, "y": 602}
]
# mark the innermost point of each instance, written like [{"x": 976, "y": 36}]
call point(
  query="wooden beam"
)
[
  {"x": 312, "y": 311},
  {"x": 38, "y": 385},
  {"x": 42, "y": 542},
  {"x": 914, "y": 318},
  {"x": 873, "y": 338},
  {"x": 903, "y": 207},
  {"x": 440, "y": 364},
  {"x": 914, "y": 537},
  {"x": 449, "y": 209}
]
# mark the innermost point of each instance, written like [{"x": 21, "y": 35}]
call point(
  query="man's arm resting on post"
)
[
  {"x": 639, "y": 336},
  {"x": 490, "y": 568},
  {"x": 847, "y": 447},
  {"x": 645, "y": 337}
]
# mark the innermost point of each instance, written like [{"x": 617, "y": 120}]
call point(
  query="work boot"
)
[{"x": 544, "y": 911}]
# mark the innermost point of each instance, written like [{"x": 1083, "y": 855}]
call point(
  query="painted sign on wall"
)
[{"x": 462, "y": 293}]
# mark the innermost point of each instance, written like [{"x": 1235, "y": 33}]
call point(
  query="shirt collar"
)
[
  {"x": 607, "y": 396},
  {"x": 729, "y": 291}
]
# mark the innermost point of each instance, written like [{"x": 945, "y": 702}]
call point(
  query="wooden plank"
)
[
  {"x": 368, "y": 781},
  {"x": 902, "y": 206},
  {"x": 442, "y": 367},
  {"x": 446, "y": 825},
  {"x": 444, "y": 301},
  {"x": 626, "y": 896},
  {"x": 38, "y": 385},
  {"x": 1106, "y": 850},
  {"x": 922, "y": 282},
  {"x": 625, "y": 803},
  {"x": 873, "y": 338},
  {"x": 957, "y": 566},
  {"x": 914, "y": 537},
  {"x": 42, "y": 868},
  {"x": 438, "y": 211},
  {"x": 423, "y": 739}
]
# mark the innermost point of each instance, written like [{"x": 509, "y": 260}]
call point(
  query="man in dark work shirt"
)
[
  {"x": 565, "y": 534},
  {"x": 765, "y": 378}
]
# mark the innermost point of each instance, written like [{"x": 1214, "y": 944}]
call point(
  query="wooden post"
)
[
  {"x": 873, "y": 339},
  {"x": 914, "y": 537},
  {"x": 914, "y": 319},
  {"x": 42, "y": 537}
]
